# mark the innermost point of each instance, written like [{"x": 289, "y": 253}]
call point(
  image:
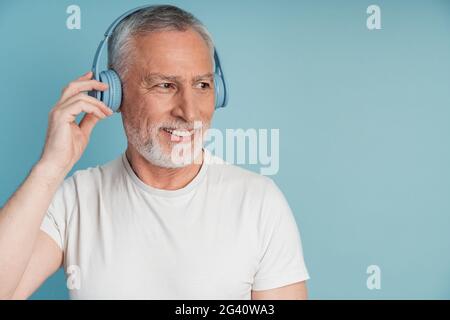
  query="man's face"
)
[{"x": 168, "y": 91}]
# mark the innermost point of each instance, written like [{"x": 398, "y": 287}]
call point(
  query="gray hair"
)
[{"x": 147, "y": 20}]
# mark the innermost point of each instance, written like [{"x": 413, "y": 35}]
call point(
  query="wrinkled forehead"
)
[{"x": 172, "y": 52}]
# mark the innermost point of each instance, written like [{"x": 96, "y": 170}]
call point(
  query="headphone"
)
[{"x": 112, "y": 97}]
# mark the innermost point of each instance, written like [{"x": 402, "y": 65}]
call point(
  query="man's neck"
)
[{"x": 159, "y": 177}]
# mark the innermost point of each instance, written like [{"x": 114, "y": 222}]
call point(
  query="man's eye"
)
[
  {"x": 165, "y": 85},
  {"x": 203, "y": 85}
]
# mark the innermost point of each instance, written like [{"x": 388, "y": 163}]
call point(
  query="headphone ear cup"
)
[
  {"x": 113, "y": 96},
  {"x": 219, "y": 88}
]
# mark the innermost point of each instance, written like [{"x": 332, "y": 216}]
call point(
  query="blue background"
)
[{"x": 363, "y": 118}]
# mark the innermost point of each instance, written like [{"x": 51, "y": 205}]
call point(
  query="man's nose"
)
[{"x": 185, "y": 106}]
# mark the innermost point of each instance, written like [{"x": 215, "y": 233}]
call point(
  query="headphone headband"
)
[
  {"x": 113, "y": 25},
  {"x": 108, "y": 33}
]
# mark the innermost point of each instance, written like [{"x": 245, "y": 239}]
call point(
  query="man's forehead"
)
[
  {"x": 170, "y": 46},
  {"x": 164, "y": 44},
  {"x": 182, "y": 56}
]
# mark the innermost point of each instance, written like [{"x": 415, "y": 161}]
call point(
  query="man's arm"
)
[
  {"x": 295, "y": 291},
  {"x": 27, "y": 257},
  {"x": 45, "y": 260},
  {"x": 20, "y": 221}
]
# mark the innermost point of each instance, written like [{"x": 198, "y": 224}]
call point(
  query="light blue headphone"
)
[{"x": 113, "y": 96}]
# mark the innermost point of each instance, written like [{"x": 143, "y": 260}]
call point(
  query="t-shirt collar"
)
[{"x": 168, "y": 193}]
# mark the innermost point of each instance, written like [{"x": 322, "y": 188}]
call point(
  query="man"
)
[{"x": 145, "y": 226}]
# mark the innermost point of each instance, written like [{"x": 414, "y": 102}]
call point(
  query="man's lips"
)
[{"x": 178, "y": 135}]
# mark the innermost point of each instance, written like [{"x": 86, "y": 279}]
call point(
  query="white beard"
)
[{"x": 181, "y": 155}]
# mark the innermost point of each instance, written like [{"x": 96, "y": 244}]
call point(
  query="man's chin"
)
[
  {"x": 185, "y": 154},
  {"x": 176, "y": 156}
]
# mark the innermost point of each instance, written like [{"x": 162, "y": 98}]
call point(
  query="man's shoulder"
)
[
  {"x": 91, "y": 174},
  {"x": 239, "y": 184}
]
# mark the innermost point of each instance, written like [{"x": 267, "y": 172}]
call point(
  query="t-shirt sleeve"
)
[
  {"x": 54, "y": 222},
  {"x": 281, "y": 256}
]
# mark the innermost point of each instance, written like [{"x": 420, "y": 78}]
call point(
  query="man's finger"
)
[
  {"x": 76, "y": 87},
  {"x": 87, "y": 123},
  {"x": 81, "y": 96},
  {"x": 86, "y": 76}
]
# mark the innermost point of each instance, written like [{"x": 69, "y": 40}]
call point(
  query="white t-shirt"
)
[{"x": 229, "y": 231}]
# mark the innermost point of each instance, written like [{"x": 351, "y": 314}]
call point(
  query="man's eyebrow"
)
[
  {"x": 155, "y": 76},
  {"x": 206, "y": 76}
]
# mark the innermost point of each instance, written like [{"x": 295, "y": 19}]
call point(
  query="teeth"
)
[{"x": 180, "y": 133}]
